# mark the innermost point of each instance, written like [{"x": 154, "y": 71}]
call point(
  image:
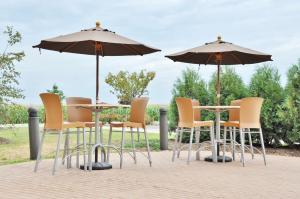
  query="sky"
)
[{"x": 269, "y": 26}]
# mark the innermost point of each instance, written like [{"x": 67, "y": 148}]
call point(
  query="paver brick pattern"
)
[{"x": 200, "y": 179}]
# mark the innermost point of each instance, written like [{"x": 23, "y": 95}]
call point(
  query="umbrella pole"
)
[
  {"x": 218, "y": 86},
  {"x": 97, "y": 78},
  {"x": 97, "y": 100}
]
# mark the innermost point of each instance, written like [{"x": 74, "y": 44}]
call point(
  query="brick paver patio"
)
[{"x": 280, "y": 179}]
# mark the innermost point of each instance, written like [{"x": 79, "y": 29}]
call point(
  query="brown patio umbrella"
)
[
  {"x": 96, "y": 41},
  {"x": 100, "y": 42},
  {"x": 220, "y": 53}
]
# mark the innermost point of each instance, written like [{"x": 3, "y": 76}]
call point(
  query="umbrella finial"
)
[
  {"x": 97, "y": 24},
  {"x": 219, "y": 38}
]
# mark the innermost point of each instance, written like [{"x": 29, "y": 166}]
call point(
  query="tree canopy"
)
[
  {"x": 127, "y": 86},
  {"x": 191, "y": 85},
  {"x": 265, "y": 83},
  {"x": 57, "y": 91},
  {"x": 8, "y": 74},
  {"x": 232, "y": 86}
]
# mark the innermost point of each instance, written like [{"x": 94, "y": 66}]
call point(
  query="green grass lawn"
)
[{"x": 17, "y": 150}]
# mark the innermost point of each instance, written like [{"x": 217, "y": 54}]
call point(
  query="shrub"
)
[
  {"x": 189, "y": 85},
  {"x": 153, "y": 113},
  {"x": 265, "y": 83},
  {"x": 18, "y": 114},
  {"x": 15, "y": 114},
  {"x": 290, "y": 111}
]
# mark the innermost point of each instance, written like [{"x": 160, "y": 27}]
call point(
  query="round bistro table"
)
[
  {"x": 215, "y": 157},
  {"x": 97, "y": 108}
]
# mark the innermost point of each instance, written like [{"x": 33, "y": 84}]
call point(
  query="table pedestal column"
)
[
  {"x": 217, "y": 142},
  {"x": 103, "y": 165}
]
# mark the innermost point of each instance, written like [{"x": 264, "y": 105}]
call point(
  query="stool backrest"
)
[
  {"x": 53, "y": 111},
  {"x": 234, "y": 114},
  {"x": 76, "y": 114},
  {"x": 197, "y": 112},
  {"x": 138, "y": 110},
  {"x": 250, "y": 112},
  {"x": 185, "y": 111}
]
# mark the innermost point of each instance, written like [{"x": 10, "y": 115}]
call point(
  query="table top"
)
[
  {"x": 103, "y": 105},
  {"x": 216, "y": 107}
]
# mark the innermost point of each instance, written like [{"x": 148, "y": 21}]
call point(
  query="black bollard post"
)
[
  {"x": 34, "y": 136},
  {"x": 163, "y": 128}
]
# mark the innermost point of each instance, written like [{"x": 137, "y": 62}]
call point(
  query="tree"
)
[
  {"x": 127, "y": 86},
  {"x": 55, "y": 90},
  {"x": 190, "y": 85},
  {"x": 265, "y": 83},
  {"x": 8, "y": 73},
  {"x": 290, "y": 112}
]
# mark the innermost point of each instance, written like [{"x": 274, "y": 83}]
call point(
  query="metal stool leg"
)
[
  {"x": 198, "y": 143},
  {"x": 224, "y": 143},
  {"x": 179, "y": 144},
  {"x": 122, "y": 146},
  {"x": 243, "y": 146},
  {"x": 263, "y": 146},
  {"x": 39, "y": 155},
  {"x": 109, "y": 143},
  {"x": 57, "y": 153},
  {"x": 77, "y": 148},
  {"x": 190, "y": 146},
  {"x": 84, "y": 149},
  {"x": 138, "y": 133},
  {"x": 251, "y": 146},
  {"x": 175, "y": 144},
  {"x": 234, "y": 142},
  {"x": 148, "y": 147},
  {"x": 132, "y": 145}
]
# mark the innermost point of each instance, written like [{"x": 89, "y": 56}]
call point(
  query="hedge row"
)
[{"x": 18, "y": 114}]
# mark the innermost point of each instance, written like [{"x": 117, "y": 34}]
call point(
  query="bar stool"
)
[
  {"x": 84, "y": 115},
  {"x": 232, "y": 124},
  {"x": 136, "y": 120},
  {"x": 54, "y": 122},
  {"x": 187, "y": 121},
  {"x": 250, "y": 109}
]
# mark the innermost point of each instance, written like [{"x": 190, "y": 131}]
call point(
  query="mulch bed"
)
[{"x": 293, "y": 151}]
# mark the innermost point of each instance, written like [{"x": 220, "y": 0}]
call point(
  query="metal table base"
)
[
  {"x": 219, "y": 159},
  {"x": 98, "y": 166}
]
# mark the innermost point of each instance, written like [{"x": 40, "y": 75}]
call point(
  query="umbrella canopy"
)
[
  {"x": 96, "y": 41},
  {"x": 220, "y": 53}
]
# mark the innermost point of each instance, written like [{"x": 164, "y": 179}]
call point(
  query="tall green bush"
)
[
  {"x": 232, "y": 88},
  {"x": 265, "y": 83},
  {"x": 290, "y": 112},
  {"x": 191, "y": 85}
]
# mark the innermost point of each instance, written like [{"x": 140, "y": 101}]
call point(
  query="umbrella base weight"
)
[
  {"x": 219, "y": 158},
  {"x": 98, "y": 166}
]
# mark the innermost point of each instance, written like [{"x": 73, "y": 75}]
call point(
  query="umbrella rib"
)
[
  {"x": 209, "y": 58},
  {"x": 133, "y": 49},
  {"x": 187, "y": 55},
  {"x": 68, "y": 46},
  {"x": 236, "y": 58}
]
